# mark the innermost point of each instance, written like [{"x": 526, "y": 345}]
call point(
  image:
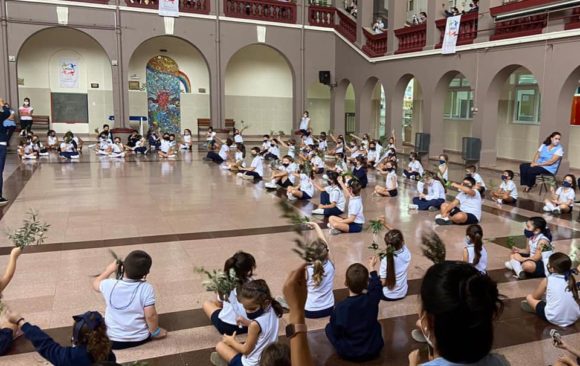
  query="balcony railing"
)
[
  {"x": 186, "y": 6},
  {"x": 520, "y": 27},
  {"x": 268, "y": 10},
  {"x": 376, "y": 43},
  {"x": 467, "y": 29},
  {"x": 346, "y": 26},
  {"x": 510, "y": 6},
  {"x": 321, "y": 16},
  {"x": 411, "y": 39},
  {"x": 574, "y": 21}
]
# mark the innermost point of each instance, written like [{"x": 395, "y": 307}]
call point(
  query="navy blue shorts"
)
[
  {"x": 471, "y": 219},
  {"x": 225, "y": 328},
  {"x": 236, "y": 361},
  {"x": 355, "y": 228},
  {"x": 305, "y": 196},
  {"x": 6, "y": 340},
  {"x": 318, "y": 313},
  {"x": 541, "y": 310}
]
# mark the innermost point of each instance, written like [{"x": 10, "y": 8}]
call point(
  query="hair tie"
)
[{"x": 569, "y": 273}]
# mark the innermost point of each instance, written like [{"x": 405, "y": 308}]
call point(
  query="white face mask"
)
[{"x": 26, "y": 103}]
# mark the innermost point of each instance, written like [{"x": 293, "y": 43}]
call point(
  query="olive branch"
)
[
  {"x": 218, "y": 281},
  {"x": 32, "y": 231}
]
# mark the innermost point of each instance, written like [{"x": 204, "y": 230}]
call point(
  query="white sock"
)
[{"x": 517, "y": 266}]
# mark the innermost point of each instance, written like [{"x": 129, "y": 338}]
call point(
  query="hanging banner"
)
[
  {"x": 451, "y": 33},
  {"x": 169, "y": 8},
  {"x": 68, "y": 73}
]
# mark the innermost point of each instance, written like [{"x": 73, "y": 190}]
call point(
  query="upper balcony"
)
[
  {"x": 346, "y": 25},
  {"x": 376, "y": 43},
  {"x": 412, "y": 39},
  {"x": 321, "y": 16},
  {"x": 185, "y": 6},
  {"x": 467, "y": 29},
  {"x": 267, "y": 10}
]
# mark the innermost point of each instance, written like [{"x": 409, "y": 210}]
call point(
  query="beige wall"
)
[
  {"x": 258, "y": 90},
  {"x": 194, "y": 105},
  {"x": 573, "y": 150},
  {"x": 318, "y": 105},
  {"x": 455, "y": 131},
  {"x": 38, "y": 64}
]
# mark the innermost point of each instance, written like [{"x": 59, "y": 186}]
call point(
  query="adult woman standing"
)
[
  {"x": 25, "y": 113},
  {"x": 546, "y": 161}
]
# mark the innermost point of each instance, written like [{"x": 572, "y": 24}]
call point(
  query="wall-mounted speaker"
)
[{"x": 324, "y": 77}]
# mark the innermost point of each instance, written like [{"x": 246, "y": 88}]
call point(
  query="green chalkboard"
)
[{"x": 69, "y": 108}]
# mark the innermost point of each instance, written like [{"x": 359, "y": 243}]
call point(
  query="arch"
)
[
  {"x": 369, "y": 107},
  {"x": 280, "y": 52},
  {"x": 34, "y": 34},
  {"x": 318, "y": 100},
  {"x": 564, "y": 104},
  {"x": 40, "y": 68},
  {"x": 407, "y": 109},
  {"x": 192, "y": 99},
  {"x": 260, "y": 76},
  {"x": 514, "y": 139},
  {"x": 456, "y": 120}
]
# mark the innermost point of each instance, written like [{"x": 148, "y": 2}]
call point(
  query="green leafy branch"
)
[
  {"x": 511, "y": 242},
  {"x": 219, "y": 282},
  {"x": 575, "y": 254},
  {"x": 305, "y": 250},
  {"x": 32, "y": 231},
  {"x": 433, "y": 247},
  {"x": 375, "y": 226}
]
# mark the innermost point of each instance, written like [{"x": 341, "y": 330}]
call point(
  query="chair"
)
[{"x": 548, "y": 179}]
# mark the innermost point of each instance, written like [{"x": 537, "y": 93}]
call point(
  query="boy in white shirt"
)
[
  {"x": 414, "y": 169},
  {"x": 130, "y": 314},
  {"x": 256, "y": 170},
  {"x": 507, "y": 191},
  {"x": 355, "y": 219},
  {"x": 465, "y": 209},
  {"x": 471, "y": 171}
]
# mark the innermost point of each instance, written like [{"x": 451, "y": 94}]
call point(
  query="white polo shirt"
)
[
  {"x": 355, "y": 208},
  {"x": 402, "y": 260}
]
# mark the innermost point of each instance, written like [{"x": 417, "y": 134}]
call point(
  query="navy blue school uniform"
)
[
  {"x": 361, "y": 174},
  {"x": 354, "y": 329},
  {"x": 55, "y": 353}
]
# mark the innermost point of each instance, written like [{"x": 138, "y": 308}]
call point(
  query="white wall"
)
[
  {"x": 38, "y": 64},
  {"x": 318, "y": 105},
  {"x": 258, "y": 90},
  {"x": 194, "y": 105},
  {"x": 573, "y": 151}
]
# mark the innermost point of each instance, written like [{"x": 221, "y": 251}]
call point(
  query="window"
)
[
  {"x": 526, "y": 98},
  {"x": 459, "y": 100},
  {"x": 411, "y": 5}
]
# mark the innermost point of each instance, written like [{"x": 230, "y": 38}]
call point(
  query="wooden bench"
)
[
  {"x": 203, "y": 124},
  {"x": 41, "y": 123}
]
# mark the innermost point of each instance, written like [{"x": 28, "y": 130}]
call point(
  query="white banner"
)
[
  {"x": 451, "y": 33},
  {"x": 169, "y": 8},
  {"x": 68, "y": 73}
]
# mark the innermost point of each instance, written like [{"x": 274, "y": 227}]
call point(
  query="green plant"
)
[
  {"x": 218, "y": 281},
  {"x": 433, "y": 247},
  {"x": 32, "y": 231},
  {"x": 305, "y": 250},
  {"x": 575, "y": 254},
  {"x": 511, "y": 242},
  {"x": 375, "y": 226}
]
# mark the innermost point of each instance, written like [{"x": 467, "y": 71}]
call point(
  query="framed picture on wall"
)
[{"x": 134, "y": 85}]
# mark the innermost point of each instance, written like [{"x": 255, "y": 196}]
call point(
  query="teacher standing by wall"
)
[{"x": 546, "y": 161}]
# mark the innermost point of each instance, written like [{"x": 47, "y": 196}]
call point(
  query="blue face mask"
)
[
  {"x": 503, "y": 177},
  {"x": 566, "y": 184},
  {"x": 255, "y": 315},
  {"x": 441, "y": 162},
  {"x": 528, "y": 234}
]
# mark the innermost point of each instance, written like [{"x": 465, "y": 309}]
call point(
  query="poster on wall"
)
[
  {"x": 451, "y": 33},
  {"x": 68, "y": 73},
  {"x": 169, "y": 8}
]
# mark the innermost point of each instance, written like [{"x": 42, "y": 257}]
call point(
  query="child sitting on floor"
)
[
  {"x": 431, "y": 193},
  {"x": 332, "y": 201},
  {"x": 414, "y": 169},
  {"x": 255, "y": 171},
  {"x": 305, "y": 190},
  {"x": 354, "y": 330},
  {"x": 319, "y": 279},
  {"x": 130, "y": 315},
  {"x": 264, "y": 313},
  {"x": 391, "y": 184},
  {"x": 507, "y": 191},
  {"x": 562, "y": 200},
  {"x": 356, "y": 219}
]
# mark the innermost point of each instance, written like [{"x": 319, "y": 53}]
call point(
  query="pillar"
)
[
  {"x": 364, "y": 19},
  {"x": 434, "y": 11},
  {"x": 397, "y": 18}
]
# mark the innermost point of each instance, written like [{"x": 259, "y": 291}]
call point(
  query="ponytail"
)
[
  {"x": 243, "y": 264},
  {"x": 475, "y": 234},
  {"x": 319, "y": 247},
  {"x": 394, "y": 241},
  {"x": 562, "y": 264}
]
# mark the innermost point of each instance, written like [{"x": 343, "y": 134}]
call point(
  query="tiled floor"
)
[{"x": 188, "y": 213}]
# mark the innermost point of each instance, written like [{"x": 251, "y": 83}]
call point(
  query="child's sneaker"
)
[
  {"x": 413, "y": 206},
  {"x": 438, "y": 216},
  {"x": 247, "y": 177},
  {"x": 557, "y": 211},
  {"x": 335, "y": 232},
  {"x": 225, "y": 167},
  {"x": 240, "y": 175},
  {"x": 546, "y": 209},
  {"x": 318, "y": 211},
  {"x": 291, "y": 197},
  {"x": 271, "y": 185},
  {"x": 508, "y": 265},
  {"x": 217, "y": 360},
  {"x": 443, "y": 221},
  {"x": 499, "y": 201}
]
